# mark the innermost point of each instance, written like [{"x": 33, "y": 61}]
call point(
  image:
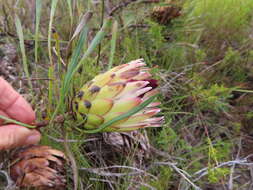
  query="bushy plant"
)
[{"x": 216, "y": 24}]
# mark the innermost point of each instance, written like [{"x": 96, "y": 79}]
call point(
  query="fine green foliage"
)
[{"x": 220, "y": 19}]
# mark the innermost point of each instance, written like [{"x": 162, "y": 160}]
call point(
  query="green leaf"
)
[
  {"x": 75, "y": 65},
  {"x": 71, "y": 66},
  {"x": 51, "y": 68},
  {"x": 52, "y": 12},
  {"x": 69, "y": 2},
  {"x": 37, "y": 21},
  {"x": 113, "y": 43},
  {"x": 97, "y": 39},
  {"x": 22, "y": 48},
  {"x": 17, "y": 122}
]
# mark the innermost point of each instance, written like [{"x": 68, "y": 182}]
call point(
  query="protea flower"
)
[
  {"x": 116, "y": 92},
  {"x": 39, "y": 167}
]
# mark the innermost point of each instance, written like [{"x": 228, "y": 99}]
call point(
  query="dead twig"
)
[
  {"x": 204, "y": 171},
  {"x": 59, "y": 119},
  {"x": 73, "y": 140},
  {"x": 105, "y": 181},
  {"x": 126, "y": 3},
  {"x": 120, "y": 6},
  {"x": 102, "y": 172},
  {"x": 143, "y": 184},
  {"x": 230, "y": 182}
]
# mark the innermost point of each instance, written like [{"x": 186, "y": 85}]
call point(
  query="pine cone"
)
[
  {"x": 40, "y": 167},
  {"x": 164, "y": 14}
]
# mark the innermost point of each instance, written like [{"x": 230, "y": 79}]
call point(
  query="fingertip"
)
[
  {"x": 33, "y": 138},
  {"x": 21, "y": 111},
  {"x": 12, "y": 136},
  {"x": 14, "y": 105}
]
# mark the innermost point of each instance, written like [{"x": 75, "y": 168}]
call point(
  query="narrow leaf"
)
[
  {"x": 113, "y": 43},
  {"x": 22, "y": 48},
  {"x": 8, "y": 120},
  {"x": 37, "y": 21},
  {"x": 73, "y": 62},
  {"x": 97, "y": 39},
  {"x": 69, "y": 2},
  {"x": 75, "y": 58},
  {"x": 84, "y": 20},
  {"x": 52, "y": 12},
  {"x": 51, "y": 68}
]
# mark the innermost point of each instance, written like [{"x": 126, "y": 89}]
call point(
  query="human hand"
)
[{"x": 14, "y": 106}]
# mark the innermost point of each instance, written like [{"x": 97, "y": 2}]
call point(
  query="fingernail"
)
[{"x": 32, "y": 139}]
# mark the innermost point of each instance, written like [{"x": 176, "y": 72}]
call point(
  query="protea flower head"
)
[
  {"x": 39, "y": 167},
  {"x": 116, "y": 92}
]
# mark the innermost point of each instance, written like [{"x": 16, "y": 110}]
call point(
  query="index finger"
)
[{"x": 14, "y": 105}]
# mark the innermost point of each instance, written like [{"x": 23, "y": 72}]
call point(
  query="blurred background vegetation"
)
[{"x": 201, "y": 51}]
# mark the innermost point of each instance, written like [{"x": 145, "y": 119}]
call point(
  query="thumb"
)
[{"x": 12, "y": 136}]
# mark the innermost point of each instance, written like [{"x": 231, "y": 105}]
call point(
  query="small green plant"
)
[
  {"x": 216, "y": 174},
  {"x": 213, "y": 98},
  {"x": 200, "y": 55},
  {"x": 164, "y": 180},
  {"x": 217, "y": 153},
  {"x": 167, "y": 138},
  {"x": 233, "y": 66}
]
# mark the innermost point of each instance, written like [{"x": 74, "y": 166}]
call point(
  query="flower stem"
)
[{"x": 8, "y": 120}]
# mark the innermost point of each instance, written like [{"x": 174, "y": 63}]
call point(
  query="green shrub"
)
[
  {"x": 217, "y": 24},
  {"x": 212, "y": 97}
]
